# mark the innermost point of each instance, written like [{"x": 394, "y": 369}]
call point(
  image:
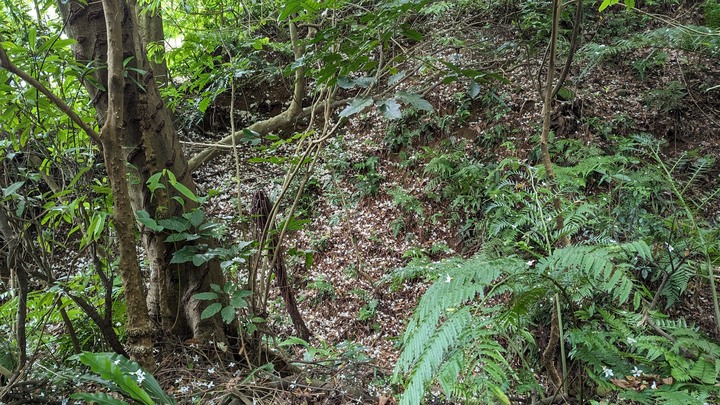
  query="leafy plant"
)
[
  {"x": 123, "y": 376},
  {"x": 368, "y": 179},
  {"x": 607, "y": 292}
]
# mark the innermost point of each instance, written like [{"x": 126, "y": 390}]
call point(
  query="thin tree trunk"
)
[
  {"x": 548, "y": 355},
  {"x": 261, "y": 211},
  {"x": 138, "y": 329}
]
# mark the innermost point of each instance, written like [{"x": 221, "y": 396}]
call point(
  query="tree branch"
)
[{"x": 6, "y": 64}]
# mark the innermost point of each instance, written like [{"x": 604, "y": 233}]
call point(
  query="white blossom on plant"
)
[
  {"x": 608, "y": 372},
  {"x": 140, "y": 375},
  {"x": 636, "y": 372}
]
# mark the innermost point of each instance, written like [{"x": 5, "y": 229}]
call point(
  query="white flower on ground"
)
[
  {"x": 654, "y": 385},
  {"x": 211, "y": 370},
  {"x": 184, "y": 389},
  {"x": 210, "y": 384},
  {"x": 636, "y": 372},
  {"x": 608, "y": 372},
  {"x": 448, "y": 278},
  {"x": 631, "y": 341}
]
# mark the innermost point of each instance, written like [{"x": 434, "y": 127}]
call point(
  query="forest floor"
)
[{"x": 359, "y": 234}]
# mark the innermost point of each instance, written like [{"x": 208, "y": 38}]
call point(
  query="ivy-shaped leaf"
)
[
  {"x": 390, "y": 109},
  {"x": 356, "y": 105},
  {"x": 414, "y": 100},
  {"x": 196, "y": 217},
  {"x": 184, "y": 255}
]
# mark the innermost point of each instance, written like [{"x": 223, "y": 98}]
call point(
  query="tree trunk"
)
[
  {"x": 139, "y": 332},
  {"x": 150, "y": 24},
  {"x": 150, "y": 145}
]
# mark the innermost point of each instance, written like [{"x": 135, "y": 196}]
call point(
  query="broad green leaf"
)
[
  {"x": 474, "y": 89},
  {"x": 185, "y": 191},
  {"x": 184, "y": 255},
  {"x": 606, "y": 3},
  {"x": 175, "y": 224},
  {"x": 204, "y": 104},
  {"x": 144, "y": 218},
  {"x": 238, "y": 302},
  {"x": 413, "y": 34},
  {"x": 228, "y": 314},
  {"x": 291, "y": 7},
  {"x": 390, "y": 109},
  {"x": 13, "y": 188},
  {"x": 205, "y": 296},
  {"x": 153, "y": 182},
  {"x": 32, "y": 37},
  {"x": 414, "y": 100},
  {"x": 118, "y": 370},
  {"x": 196, "y": 217},
  {"x": 181, "y": 236},
  {"x": 346, "y": 82},
  {"x": 356, "y": 105},
  {"x": 102, "y": 399},
  {"x": 211, "y": 310},
  {"x": 260, "y": 42},
  {"x": 396, "y": 78},
  {"x": 292, "y": 341}
]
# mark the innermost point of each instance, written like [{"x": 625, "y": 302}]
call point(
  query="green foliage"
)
[
  {"x": 667, "y": 99},
  {"x": 449, "y": 334},
  {"x": 696, "y": 39},
  {"x": 324, "y": 288},
  {"x": 123, "y": 376},
  {"x": 712, "y": 14},
  {"x": 605, "y": 287},
  {"x": 368, "y": 179},
  {"x": 452, "y": 326},
  {"x": 235, "y": 298}
]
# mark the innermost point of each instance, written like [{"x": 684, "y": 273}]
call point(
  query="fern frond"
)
[
  {"x": 689, "y": 38},
  {"x": 678, "y": 281},
  {"x": 443, "y": 324},
  {"x": 603, "y": 268},
  {"x": 426, "y": 359}
]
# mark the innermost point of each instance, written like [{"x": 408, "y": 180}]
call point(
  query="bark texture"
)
[
  {"x": 139, "y": 332},
  {"x": 149, "y": 145}
]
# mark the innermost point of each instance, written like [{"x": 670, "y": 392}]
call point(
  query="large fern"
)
[
  {"x": 443, "y": 330},
  {"x": 698, "y": 39}
]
